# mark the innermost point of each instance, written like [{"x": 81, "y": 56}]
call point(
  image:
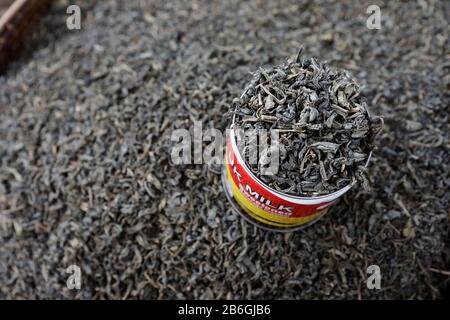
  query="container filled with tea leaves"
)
[{"x": 308, "y": 124}]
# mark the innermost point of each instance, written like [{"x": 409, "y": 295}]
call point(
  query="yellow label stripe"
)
[
  {"x": 261, "y": 219},
  {"x": 264, "y": 216}
]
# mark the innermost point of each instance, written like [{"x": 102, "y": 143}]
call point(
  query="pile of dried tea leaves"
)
[
  {"x": 325, "y": 131},
  {"x": 86, "y": 176}
]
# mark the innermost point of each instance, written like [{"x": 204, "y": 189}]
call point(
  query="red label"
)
[{"x": 263, "y": 198}]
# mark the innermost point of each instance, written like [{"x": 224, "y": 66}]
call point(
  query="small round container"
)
[{"x": 264, "y": 206}]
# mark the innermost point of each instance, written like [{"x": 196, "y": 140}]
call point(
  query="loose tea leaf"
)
[{"x": 321, "y": 118}]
